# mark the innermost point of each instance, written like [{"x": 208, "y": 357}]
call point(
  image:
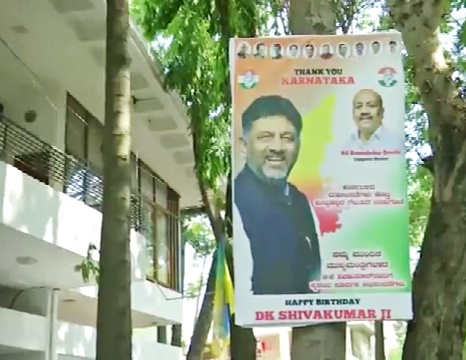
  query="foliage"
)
[
  {"x": 419, "y": 193},
  {"x": 196, "y": 231},
  {"x": 193, "y": 290},
  {"x": 351, "y": 14},
  {"x": 395, "y": 354},
  {"x": 89, "y": 267},
  {"x": 196, "y": 65},
  {"x": 400, "y": 331}
]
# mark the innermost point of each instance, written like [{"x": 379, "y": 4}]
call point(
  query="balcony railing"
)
[{"x": 81, "y": 181}]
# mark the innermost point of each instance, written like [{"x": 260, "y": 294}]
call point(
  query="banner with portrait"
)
[{"x": 320, "y": 213}]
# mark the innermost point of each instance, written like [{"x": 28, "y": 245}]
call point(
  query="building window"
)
[
  {"x": 162, "y": 249},
  {"x": 83, "y": 144},
  {"x": 154, "y": 205},
  {"x": 174, "y": 231},
  {"x": 159, "y": 222}
]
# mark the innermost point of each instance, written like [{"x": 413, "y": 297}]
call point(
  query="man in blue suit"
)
[{"x": 276, "y": 216}]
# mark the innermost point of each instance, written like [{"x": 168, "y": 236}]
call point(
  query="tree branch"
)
[
  {"x": 204, "y": 319},
  {"x": 419, "y": 23}
]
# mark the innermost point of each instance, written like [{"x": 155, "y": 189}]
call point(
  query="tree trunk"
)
[
  {"x": 312, "y": 17},
  {"x": 439, "y": 283},
  {"x": 201, "y": 282},
  {"x": 114, "y": 327},
  {"x": 379, "y": 341},
  {"x": 204, "y": 320},
  {"x": 325, "y": 341},
  {"x": 243, "y": 342},
  {"x": 437, "y": 331}
]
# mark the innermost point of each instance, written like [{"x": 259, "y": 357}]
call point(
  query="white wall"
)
[
  {"x": 21, "y": 330},
  {"x": 79, "y": 341},
  {"x": 150, "y": 298},
  {"x": 69, "y": 357},
  {"x": 29, "y": 332},
  {"x": 21, "y": 91},
  {"x": 36, "y": 209}
]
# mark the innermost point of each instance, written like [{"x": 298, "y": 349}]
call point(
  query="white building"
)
[{"x": 52, "y": 95}]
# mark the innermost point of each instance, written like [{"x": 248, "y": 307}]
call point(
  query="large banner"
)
[{"x": 319, "y": 183}]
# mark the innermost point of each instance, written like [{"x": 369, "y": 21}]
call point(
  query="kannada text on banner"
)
[{"x": 320, "y": 213}]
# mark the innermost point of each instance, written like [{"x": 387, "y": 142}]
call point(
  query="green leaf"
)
[
  {"x": 462, "y": 34},
  {"x": 89, "y": 268},
  {"x": 197, "y": 232}
]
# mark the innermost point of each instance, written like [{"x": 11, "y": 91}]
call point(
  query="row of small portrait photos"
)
[{"x": 308, "y": 51}]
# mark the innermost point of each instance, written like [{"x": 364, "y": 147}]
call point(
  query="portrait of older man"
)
[{"x": 371, "y": 134}]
